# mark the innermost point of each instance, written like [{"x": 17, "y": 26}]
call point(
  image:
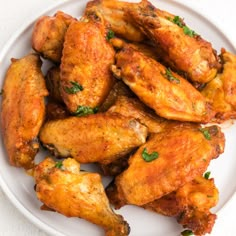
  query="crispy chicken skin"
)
[
  {"x": 133, "y": 107},
  {"x": 190, "y": 205},
  {"x": 23, "y": 109},
  {"x": 99, "y": 138},
  {"x": 65, "y": 189},
  {"x": 183, "y": 154},
  {"x": 189, "y": 54},
  {"x": 170, "y": 95},
  {"x": 113, "y": 12},
  {"x": 221, "y": 91},
  {"x": 48, "y": 35},
  {"x": 86, "y": 60}
]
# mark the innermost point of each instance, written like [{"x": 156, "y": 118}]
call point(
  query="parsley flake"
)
[
  {"x": 187, "y": 232},
  {"x": 76, "y": 87},
  {"x": 207, "y": 175},
  {"x": 110, "y": 35},
  {"x": 85, "y": 110},
  {"x": 206, "y": 133},
  {"x": 189, "y": 32},
  {"x": 168, "y": 75},
  {"x": 59, "y": 164},
  {"x": 149, "y": 157},
  {"x": 1, "y": 92}
]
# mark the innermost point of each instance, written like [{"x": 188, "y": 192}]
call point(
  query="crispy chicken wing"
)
[
  {"x": 221, "y": 91},
  {"x": 95, "y": 138},
  {"x": 133, "y": 107},
  {"x": 23, "y": 109},
  {"x": 166, "y": 162},
  {"x": 86, "y": 78},
  {"x": 64, "y": 188},
  {"x": 182, "y": 48},
  {"x": 170, "y": 95},
  {"x": 113, "y": 12},
  {"x": 190, "y": 205},
  {"x": 48, "y": 35}
]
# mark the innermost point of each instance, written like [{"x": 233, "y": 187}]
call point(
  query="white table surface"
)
[{"x": 13, "y": 13}]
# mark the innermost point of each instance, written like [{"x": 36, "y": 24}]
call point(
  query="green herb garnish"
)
[
  {"x": 110, "y": 35},
  {"x": 84, "y": 110},
  {"x": 1, "y": 92},
  {"x": 187, "y": 232},
  {"x": 206, "y": 133},
  {"x": 168, "y": 75},
  {"x": 76, "y": 87},
  {"x": 207, "y": 175},
  {"x": 149, "y": 157},
  {"x": 59, "y": 165},
  {"x": 178, "y": 21}
]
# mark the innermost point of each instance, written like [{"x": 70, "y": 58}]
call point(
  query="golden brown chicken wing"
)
[
  {"x": 166, "y": 162},
  {"x": 48, "y": 35},
  {"x": 133, "y": 107},
  {"x": 221, "y": 91},
  {"x": 113, "y": 12},
  {"x": 86, "y": 78},
  {"x": 190, "y": 204},
  {"x": 23, "y": 109},
  {"x": 95, "y": 138},
  {"x": 62, "y": 187},
  {"x": 166, "y": 92},
  {"x": 182, "y": 48}
]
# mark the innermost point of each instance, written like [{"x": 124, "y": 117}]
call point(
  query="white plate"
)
[{"x": 19, "y": 187}]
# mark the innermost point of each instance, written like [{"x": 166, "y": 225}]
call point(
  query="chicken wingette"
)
[
  {"x": 181, "y": 47},
  {"x": 23, "y": 109},
  {"x": 98, "y": 137},
  {"x": 62, "y": 187},
  {"x": 170, "y": 95},
  {"x": 166, "y": 162},
  {"x": 48, "y": 35},
  {"x": 87, "y": 55},
  {"x": 221, "y": 91},
  {"x": 190, "y": 205}
]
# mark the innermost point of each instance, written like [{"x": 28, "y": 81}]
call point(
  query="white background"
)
[{"x": 14, "y": 13}]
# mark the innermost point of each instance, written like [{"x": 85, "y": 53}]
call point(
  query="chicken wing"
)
[
  {"x": 221, "y": 91},
  {"x": 48, "y": 35},
  {"x": 166, "y": 162},
  {"x": 113, "y": 12},
  {"x": 182, "y": 48},
  {"x": 95, "y": 138},
  {"x": 23, "y": 109},
  {"x": 62, "y": 187},
  {"x": 86, "y": 78},
  {"x": 170, "y": 95}
]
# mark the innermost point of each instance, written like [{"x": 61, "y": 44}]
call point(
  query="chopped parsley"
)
[
  {"x": 85, "y": 110},
  {"x": 168, "y": 75},
  {"x": 110, "y": 35},
  {"x": 1, "y": 92},
  {"x": 59, "y": 164},
  {"x": 149, "y": 157},
  {"x": 76, "y": 87},
  {"x": 179, "y": 21},
  {"x": 187, "y": 232},
  {"x": 207, "y": 175},
  {"x": 206, "y": 133}
]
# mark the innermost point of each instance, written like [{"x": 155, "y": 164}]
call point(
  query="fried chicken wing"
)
[
  {"x": 65, "y": 189},
  {"x": 86, "y": 78},
  {"x": 182, "y": 48},
  {"x": 23, "y": 109},
  {"x": 99, "y": 138},
  {"x": 170, "y": 95},
  {"x": 48, "y": 35},
  {"x": 113, "y": 12},
  {"x": 166, "y": 162},
  {"x": 133, "y": 107},
  {"x": 190, "y": 205},
  {"x": 221, "y": 91}
]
